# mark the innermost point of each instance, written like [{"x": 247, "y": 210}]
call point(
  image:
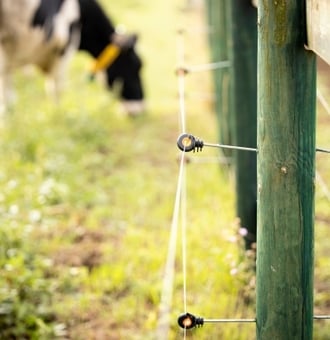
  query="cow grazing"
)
[{"x": 46, "y": 33}]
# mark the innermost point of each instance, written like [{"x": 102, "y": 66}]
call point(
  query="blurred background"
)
[{"x": 88, "y": 196}]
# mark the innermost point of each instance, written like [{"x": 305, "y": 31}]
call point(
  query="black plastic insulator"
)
[
  {"x": 181, "y": 71},
  {"x": 188, "y": 321},
  {"x": 187, "y": 143}
]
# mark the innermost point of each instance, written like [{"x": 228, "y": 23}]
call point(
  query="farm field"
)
[{"x": 88, "y": 195}]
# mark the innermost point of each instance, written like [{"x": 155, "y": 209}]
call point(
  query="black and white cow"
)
[{"x": 47, "y": 32}]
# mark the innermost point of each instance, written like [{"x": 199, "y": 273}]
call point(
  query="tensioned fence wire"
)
[
  {"x": 164, "y": 320},
  {"x": 187, "y": 320}
]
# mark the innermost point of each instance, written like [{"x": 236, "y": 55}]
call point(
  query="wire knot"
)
[{"x": 187, "y": 143}]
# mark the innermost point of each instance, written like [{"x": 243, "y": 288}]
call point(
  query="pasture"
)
[{"x": 87, "y": 200}]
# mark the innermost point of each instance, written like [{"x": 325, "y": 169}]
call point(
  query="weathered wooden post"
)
[
  {"x": 286, "y": 161},
  {"x": 244, "y": 73}
]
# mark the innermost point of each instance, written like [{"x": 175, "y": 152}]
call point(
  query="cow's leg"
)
[
  {"x": 7, "y": 95},
  {"x": 54, "y": 83},
  {"x": 53, "y": 87},
  {"x": 2, "y": 83},
  {"x": 2, "y": 95}
]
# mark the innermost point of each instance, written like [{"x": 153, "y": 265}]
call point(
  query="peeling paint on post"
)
[{"x": 286, "y": 166}]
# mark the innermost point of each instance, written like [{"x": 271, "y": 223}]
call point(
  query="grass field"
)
[{"x": 88, "y": 193}]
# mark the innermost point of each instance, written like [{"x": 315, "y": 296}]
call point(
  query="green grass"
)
[{"x": 87, "y": 201}]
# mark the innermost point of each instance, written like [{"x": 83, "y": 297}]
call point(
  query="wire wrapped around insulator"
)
[{"x": 187, "y": 143}]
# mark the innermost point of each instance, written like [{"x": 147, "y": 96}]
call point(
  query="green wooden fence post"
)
[
  {"x": 286, "y": 166},
  {"x": 244, "y": 70},
  {"x": 220, "y": 44}
]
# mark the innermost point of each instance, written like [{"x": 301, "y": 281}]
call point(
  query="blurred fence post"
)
[
  {"x": 233, "y": 37},
  {"x": 220, "y": 45},
  {"x": 244, "y": 70},
  {"x": 286, "y": 166}
]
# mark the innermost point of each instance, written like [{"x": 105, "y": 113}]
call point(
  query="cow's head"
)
[{"x": 124, "y": 71}]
